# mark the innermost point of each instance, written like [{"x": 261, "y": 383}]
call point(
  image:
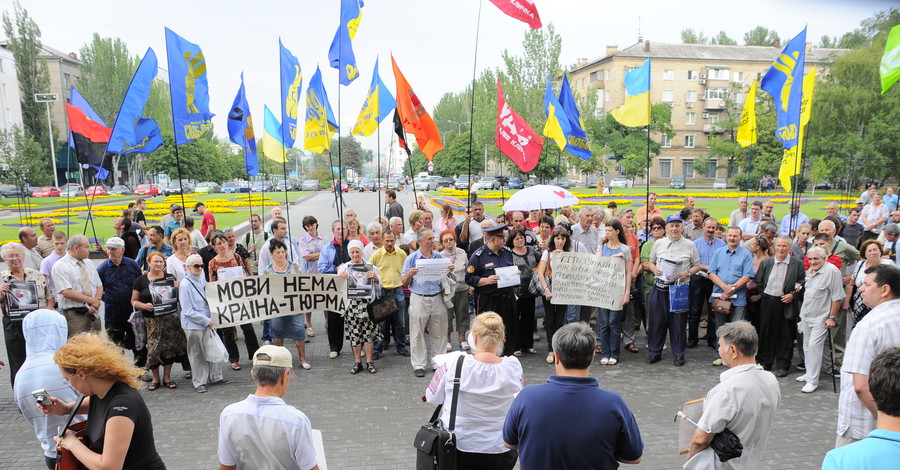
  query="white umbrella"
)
[{"x": 541, "y": 196}]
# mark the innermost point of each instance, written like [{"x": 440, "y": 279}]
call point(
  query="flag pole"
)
[
  {"x": 284, "y": 163},
  {"x": 378, "y": 166},
  {"x": 647, "y": 206},
  {"x": 749, "y": 164},
  {"x": 339, "y": 187},
  {"x": 472, "y": 109}
]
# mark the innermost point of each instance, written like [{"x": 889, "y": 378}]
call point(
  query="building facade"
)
[
  {"x": 695, "y": 80},
  {"x": 65, "y": 71},
  {"x": 10, "y": 103}
]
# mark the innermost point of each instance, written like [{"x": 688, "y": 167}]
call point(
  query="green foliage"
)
[
  {"x": 201, "y": 160},
  {"x": 105, "y": 75},
  {"x": 723, "y": 39},
  {"x": 761, "y": 36},
  {"x": 691, "y": 36},
  {"x": 352, "y": 155},
  {"x": 23, "y": 160}
]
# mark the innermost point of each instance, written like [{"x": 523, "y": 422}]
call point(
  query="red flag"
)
[
  {"x": 401, "y": 135},
  {"x": 90, "y": 136},
  {"x": 515, "y": 138},
  {"x": 414, "y": 117},
  {"x": 522, "y": 10}
]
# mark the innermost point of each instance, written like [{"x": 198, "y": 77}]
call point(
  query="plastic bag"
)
[
  {"x": 679, "y": 295},
  {"x": 140, "y": 330},
  {"x": 213, "y": 347}
]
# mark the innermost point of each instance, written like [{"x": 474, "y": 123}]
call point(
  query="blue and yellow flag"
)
[
  {"x": 379, "y": 104},
  {"x": 557, "y": 126},
  {"x": 188, "y": 88},
  {"x": 320, "y": 122},
  {"x": 636, "y": 110},
  {"x": 340, "y": 54},
  {"x": 291, "y": 84},
  {"x": 133, "y": 133},
  {"x": 576, "y": 139},
  {"x": 240, "y": 129},
  {"x": 791, "y": 162},
  {"x": 784, "y": 81},
  {"x": 273, "y": 146}
]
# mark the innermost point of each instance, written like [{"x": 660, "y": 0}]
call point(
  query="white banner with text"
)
[{"x": 586, "y": 279}]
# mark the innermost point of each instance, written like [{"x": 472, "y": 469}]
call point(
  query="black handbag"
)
[
  {"x": 436, "y": 445},
  {"x": 379, "y": 309}
]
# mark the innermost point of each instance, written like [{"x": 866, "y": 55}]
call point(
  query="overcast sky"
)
[{"x": 432, "y": 41}]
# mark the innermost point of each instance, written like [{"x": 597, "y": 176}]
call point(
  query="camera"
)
[{"x": 42, "y": 397}]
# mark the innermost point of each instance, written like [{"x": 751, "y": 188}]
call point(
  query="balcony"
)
[
  {"x": 713, "y": 129},
  {"x": 714, "y": 104}
]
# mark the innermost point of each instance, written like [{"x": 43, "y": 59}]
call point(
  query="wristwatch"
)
[{"x": 830, "y": 317}]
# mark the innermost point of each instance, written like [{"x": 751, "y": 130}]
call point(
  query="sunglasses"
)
[
  {"x": 195, "y": 265},
  {"x": 657, "y": 227}
]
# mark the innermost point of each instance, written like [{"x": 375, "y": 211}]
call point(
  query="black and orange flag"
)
[
  {"x": 414, "y": 118},
  {"x": 90, "y": 137},
  {"x": 401, "y": 134}
]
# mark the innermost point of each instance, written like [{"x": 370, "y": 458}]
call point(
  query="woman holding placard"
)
[
  {"x": 286, "y": 326},
  {"x": 358, "y": 327},
  {"x": 554, "y": 315},
  {"x": 227, "y": 264},
  {"x": 609, "y": 323}
]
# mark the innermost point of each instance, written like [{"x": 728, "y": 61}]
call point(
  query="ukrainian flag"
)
[
  {"x": 636, "y": 110},
  {"x": 379, "y": 104},
  {"x": 273, "y": 146},
  {"x": 557, "y": 121}
]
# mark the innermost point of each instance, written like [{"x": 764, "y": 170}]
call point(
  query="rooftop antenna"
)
[{"x": 640, "y": 38}]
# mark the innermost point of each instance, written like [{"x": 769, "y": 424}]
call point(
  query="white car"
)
[
  {"x": 720, "y": 183},
  {"x": 425, "y": 184},
  {"x": 620, "y": 182}
]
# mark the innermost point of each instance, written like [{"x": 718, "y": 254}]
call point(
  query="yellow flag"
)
[
  {"x": 746, "y": 134},
  {"x": 792, "y": 161}
]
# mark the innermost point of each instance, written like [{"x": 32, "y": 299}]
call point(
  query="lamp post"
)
[
  {"x": 458, "y": 126},
  {"x": 48, "y": 98}
]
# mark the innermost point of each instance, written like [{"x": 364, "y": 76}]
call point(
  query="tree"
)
[
  {"x": 22, "y": 160},
  {"x": 723, "y": 39},
  {"x": 628, "y": 146},
  {"x": 106, "y": 72},
  {"x": 352, "y": 155},
  {"x": 691, "y": 36},
  {"x": 24, "y": 40},
  {"x": 761, "y": 36},
  {"x": 201, "y": 160}
]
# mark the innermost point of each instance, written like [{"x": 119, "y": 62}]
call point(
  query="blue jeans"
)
[
  {"x": 573, "y": 314},
  {"x": 267, "y": 330},
  {"x": 609, "y": 326},
  {"x": 395, "y": 322}
]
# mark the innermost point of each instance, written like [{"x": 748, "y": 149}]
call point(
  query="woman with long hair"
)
[
  {"x": 354, "y": 232},
  {"x": 554, "y": 315},
  {"x": 225, "y": 258},
  {"x": 119, "y": 427},
  {"x": 609, "y": 323},
  {"x": 487, "y": 385},
  {"x": 446, "y": 221}
]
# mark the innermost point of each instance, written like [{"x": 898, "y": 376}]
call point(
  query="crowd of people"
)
[{"x": 755, "y": 290}]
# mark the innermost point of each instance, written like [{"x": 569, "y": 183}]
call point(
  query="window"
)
[
  {"x": 665, "y": 168},
  {"x": 687, "y": 168},
  {"x": 597, "y": 76},
  {"x": 693, "y": 75},
  {"x": 738, "y": 97},
  {"x": 711, "y": 172},
  {"x": 5, "y": 92},
  {"x": 689, "y": 141},
  {"x": 717, "y": 93},
  {"x": 668, "y": 74},
  {"x": 1, "y": 66},
  {"x": 738, "y": 77},
  {"x": 7, "y": 113},
  {"x": 668, "y": 96},
  {"x": 691, "y": 96},
  {"x": 717, "y": 74},
  {"x": 713, "y": 118},
  {"x": 608, "y": 95},
  {"x": 608, "y": 74},
  {"x": 690, "y": 118},
  {"x": 67, "y": 80},
  {"x": 666, "y": 142},
  {"x": 583, "y": 83},
  {"x": 599, "y": 106}
]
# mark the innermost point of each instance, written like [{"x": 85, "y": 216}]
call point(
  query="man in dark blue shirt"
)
[
  {"x": 481, "y": 275},
  {"x": 118, "y": 274},
  {"x": 569, "y": 422}
]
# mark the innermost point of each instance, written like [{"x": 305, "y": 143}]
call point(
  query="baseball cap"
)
[
  {"x": 271, "y": 355},
  {"x": 115, "y": 242},
  {"x": 674, "y": 218}
]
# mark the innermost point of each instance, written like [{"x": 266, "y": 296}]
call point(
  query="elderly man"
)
[
  {"x": 878, "y": 331},
  {"x": 373, "y": 231},
  {"x": 584, "y": 231},
  {"x": 683, "y": 261},
  {"x": 334, "y": 254},
  {"x": 750, "y": 225},
  {"x": 744, "y": 402},
  {"x": 395, "y": 225},
  {"x": 767, "y": 211},
  {"x": 891, "y": 234},
  {"x": 890, "y": 199},
  {"x": 702, "y": 286},
  {"x": 894, "y": 219},
  {"x": 59, "y": 250},
  {"x": 848, "y": 255},
  {"x": 689, "y": 202},
  {"x": 832, "y": 209},
  {"x": 118, "y": 274},
  {"x": 426, "y": 306},
  {"x": 157, "y": 243},
  {"x": 263, "y": 430},
  {"x": 45, "y": 241},
  {"x": 739, "y": 214},
  {"x": 79, "y": 286},
  {"x": 481, "y": 276},
  {"x": 780, "y": 279},
  {"x": 389, "y": 260},
  {"x": 769, "y": 230},
  {"x": 29, "y": 240},
  {"x": 818, "y": 313},
  {"x": 589, "y": 428},
  {"x": 730, "y": 269},
  {"x": 694, "y": 230}
]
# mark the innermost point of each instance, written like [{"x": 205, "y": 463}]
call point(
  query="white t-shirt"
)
[{"x": 176, "y": 267}]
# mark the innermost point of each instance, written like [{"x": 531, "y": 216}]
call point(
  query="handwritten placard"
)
[{"x": 587, "y": 279}]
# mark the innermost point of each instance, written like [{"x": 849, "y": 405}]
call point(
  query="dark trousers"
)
[
  {"x": 662, "y": 320},
  {"x": 335, "y": 331},
  {"x": 701, "y": 288},
  {"x": 15, "y": 346},
  {"x": 637, "y": 301},
  {"x": 394, "y": 322},
  {"x": 505, "y": 306},
  {"x": 776, "y": 344},
  {"x": 122, "y": 334},
  {"x": 229, "y": 337},
  {"x": 525, "y": 307},
  {"x": 476, "y": 461}
]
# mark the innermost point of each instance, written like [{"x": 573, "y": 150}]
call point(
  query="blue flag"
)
[
  {"x": 340, "y": 54},
  {"x": 320, "y": 122},
  {"x": 240, "y": 129},
  {"x": 784, "y": 81},
  {"x": 79, "y": 102},
  {"x": 379, "y": 104},
  {"x": 557, "y": 126},
  {"x": 576, "y": 137},
  {"x": 133, "y": 133},
  {"x": 102, "y": 173},
  {"x": 291, "y": 84},
  {"x": 188, "y": 87}
]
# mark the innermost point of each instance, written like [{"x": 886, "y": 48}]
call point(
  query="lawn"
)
[{"x": 229, "y": 209}]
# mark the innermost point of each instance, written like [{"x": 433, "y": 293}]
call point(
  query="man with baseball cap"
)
[
  {"x": 263, "y": 431},
  {"x": 118, "y": 274}
]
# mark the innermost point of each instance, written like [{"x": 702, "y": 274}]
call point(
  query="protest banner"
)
[
  {"x": 586, "y": 279},
  {"x": 255, "y": 298}
]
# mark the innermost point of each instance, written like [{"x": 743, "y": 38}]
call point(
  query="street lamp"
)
[
  {"x": 458, "y": 126},
  {"x": 48, "y": 98}
]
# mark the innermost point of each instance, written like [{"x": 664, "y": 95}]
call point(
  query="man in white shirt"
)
[
  {"x": 29, "y": 240},
  {"x": 739, "y": 214},
  {"x": 263, "y": 431},
  {"x": 279, "y": 232},
  {"x": 750, "y": 225},
  {"x": 818, "y": 312},
  {"x": 78, "y": 287}
]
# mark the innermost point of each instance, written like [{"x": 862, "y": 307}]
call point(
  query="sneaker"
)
[
  {"x": 333, "y": 354},
  {"x": 419, "y": 373},
  {"x": 717, "y": 362},
  {"x": 802, "y": 378},
  {"x": 403, "y": 352},
  {"x": 311, "y": 332},
  {"x": 808, "y": 388},
  {"x": 801, "y": 366}
]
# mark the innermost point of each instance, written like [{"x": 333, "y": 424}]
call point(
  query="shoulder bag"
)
[
  {"x": 436, "y": 445},
  {"x": 381, "y": 308},
  {"x": 65, "y": 460}
]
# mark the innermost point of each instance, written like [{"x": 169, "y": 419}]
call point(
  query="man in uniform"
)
[{"x": 480, "y": 274}]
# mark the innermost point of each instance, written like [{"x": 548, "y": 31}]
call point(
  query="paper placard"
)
[
  {"x": 433, "y": 269},
  {"x": 358, "y": 285},
  {"x": 21, "y": 299},
  {"x": 225, "y": 274},
  {"x": 509, "y": 276},
  {"x": 587, "y": 279}
]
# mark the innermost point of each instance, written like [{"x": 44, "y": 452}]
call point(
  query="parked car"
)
[
  {"x": 344, "y": 186},
  {"x": 564, "y": 183},
  {"x": 148, "y": 190},
  {"x": 310, "y": 185},
  {"x": 824, "y": 185},
  {"x": 98, "y": 190},
  {"x": 504, "y": 180},
  {"x": 262, "y": 186},
  {"x": 392, "y": 183},
  {"x": 444, "y": 182},
  {"x": 366, "y": 184},
  {"x": 236, "y": 187},
  {"x": 677, "y": 182},
  {"x": 532, "y": 181},
  {"x": 71, "y": 190},
  {"x": 515, "y": 183},
  {"x": 208, "y": 187},
  {"x": 425, "y": 184},
  {"x": 720, "y": 183},
  {"x": 16, "y": 192},
  {"x": 621, "y": 183},
  {"x": 287, "y": 185},
  {"x": 487, "y": 183},
  {"x": 47, "y": 191},
  {"x": 121, "y": 190},
  {"x": 592, "y": 182},
  {"x": 462, "y": 183},
  {"x": 174, "y": 187}
]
